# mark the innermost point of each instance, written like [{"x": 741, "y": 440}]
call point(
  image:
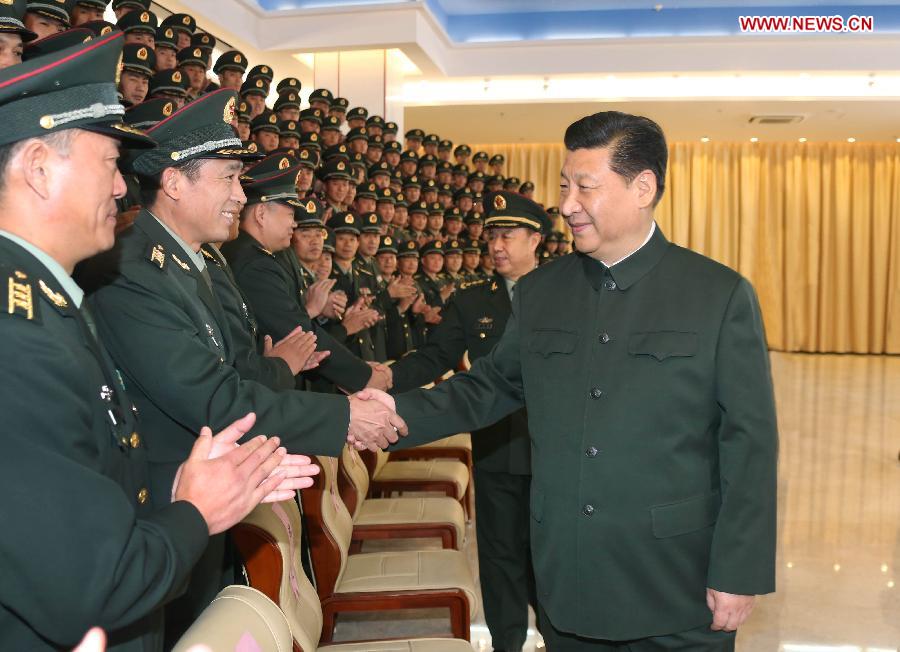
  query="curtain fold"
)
[{"x": 814, "y": 226}]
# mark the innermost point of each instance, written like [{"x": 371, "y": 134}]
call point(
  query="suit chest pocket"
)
[
  {"x": 551, "y": 353},
  {"x": 663, "y": 345}
]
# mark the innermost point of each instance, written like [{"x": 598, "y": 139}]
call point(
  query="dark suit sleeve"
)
[
  {"x": 279, "y": 313},
  {"x": 155, "y": 342},
  {"x": 742, "y": 559},
  {"x": 444, "y": 350},
  {"x": 73, "y": 552},
  {"x": 486, "y": 393}
]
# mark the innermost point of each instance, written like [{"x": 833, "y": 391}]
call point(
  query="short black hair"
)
[
  {"x": 636, "y": 143},
  {"x": 150, "y": 184}
]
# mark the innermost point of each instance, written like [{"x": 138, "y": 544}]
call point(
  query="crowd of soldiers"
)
[
  {"x": 344, "y": 244},
  {"x": 409, "y": 216}
]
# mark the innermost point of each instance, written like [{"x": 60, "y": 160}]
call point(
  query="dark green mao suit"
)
[
  {"x": 81, "y": 545},
  {"x": 474, "y": 321},
  {"x": 170, "y": 337},
  {"x": 653, "y": 436}
]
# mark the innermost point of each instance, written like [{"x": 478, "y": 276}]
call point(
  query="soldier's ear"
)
[{"x": 34, "y": 161}]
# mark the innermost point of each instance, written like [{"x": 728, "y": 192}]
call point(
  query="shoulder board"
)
[
  {"x": 19, "y": 296},
  {"x": 363, "y": 270},
  {"x": 265, "y": 251},
  {"x": 471, "y": 284},
  {"x": 156, "y": 255}
]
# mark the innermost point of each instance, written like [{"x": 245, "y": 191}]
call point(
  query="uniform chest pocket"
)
[
  {"x": 661, "y": 345},
  {"x": 549, "y": 343}
]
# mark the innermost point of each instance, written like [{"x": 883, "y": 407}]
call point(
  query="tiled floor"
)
[{"x": 839, "y": 518}]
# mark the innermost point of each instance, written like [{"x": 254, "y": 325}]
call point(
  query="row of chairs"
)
[{"x": 352, "y": 502}]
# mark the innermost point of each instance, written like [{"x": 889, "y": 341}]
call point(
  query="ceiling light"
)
[
  {"x": 704, "y": 140},
  {"x": 754, "y": 140},
  {"x": 851, "y": 140},
  {"x": 802, "y": 140}
]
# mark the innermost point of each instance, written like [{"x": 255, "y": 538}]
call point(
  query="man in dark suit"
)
[
  {"x": 645, "y": 372},
  {"x": 473, "y": 321}
]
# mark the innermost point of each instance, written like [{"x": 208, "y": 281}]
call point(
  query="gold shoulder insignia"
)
[
  {"x": 20, "y": 300},
  {"x": 183, "y": 265},
  {"x": 209, "y": 256},
  {"x": 158, "y": 256},
  {"x": 494, "y": 286},
  {"x": 471, "y": 284},
  {"x": 266, "y": 251},
  {"x": 56, "y": 298}
]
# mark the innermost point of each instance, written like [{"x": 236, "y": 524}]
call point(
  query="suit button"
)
[
  {"x": 605, "y": 338},
  {"x": 591, "y": 452},
  {"x": 596, "y": 393},
  {"x": 143, "y": 496},
  {"x": 610, "y": 285},
  {"x": 588, "y": 510},
  {"x": 135, "y": 440}
]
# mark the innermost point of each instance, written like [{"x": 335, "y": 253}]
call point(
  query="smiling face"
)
[
  {"x": 608, "y": 214},
  {"x": 206, "y": 206}
]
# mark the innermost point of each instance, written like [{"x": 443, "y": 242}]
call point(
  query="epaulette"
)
[
  {"x": 465, "y": 285},
  {"x": 363, "y": 270},
  {"x": 19, "y": 296},
  {"x": 265, "y": 251},
  {"x": 156, "y": 255}
]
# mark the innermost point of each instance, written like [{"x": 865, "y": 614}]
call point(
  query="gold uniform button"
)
[
  {"x": 135, "y": 440},
  {"x": 143, "y": 496},
  {"x": 482, "y": 335}
]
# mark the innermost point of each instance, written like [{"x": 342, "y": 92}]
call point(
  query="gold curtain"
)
[{"x": 814, "y": 226}]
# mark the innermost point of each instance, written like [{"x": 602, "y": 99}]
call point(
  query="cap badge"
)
[
  {"x": 500, "y": 203},
  {"x": 167, "y": 109},
  {"x": 284, "y": 164},
  {"x": 186, "y": 20},
  {"x": 170, "y": 33},
  {"x": 145, "y": 17},
  {"x": 259, "y": 83},
  {"x": 304, "y": 154},
  {"x": 198, "y": 52},
  {"x": 142, "y": 54},
  {"x": 264, "y": 70},
  {"x": 373, "y": 218},
  {"x": 176, "y": 77},
  {"x": 229, "y": 114},
  {"x": 238, "y": 58},
  {"x": 310, "y": 206},
  {"x": 348, "y": 219},
  {"x": 341, "y": 165}
]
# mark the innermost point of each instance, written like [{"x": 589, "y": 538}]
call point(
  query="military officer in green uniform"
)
[
  {"x": 436, "y": 288},
  {"x": 168, "y": 333},
  {"x": 473, "y": 321},
  {"x": 645, "y": 372},
  {"x": 84, "y": 545}
]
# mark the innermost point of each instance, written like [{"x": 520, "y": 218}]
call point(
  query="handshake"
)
[{"x": 374, "y": 422}]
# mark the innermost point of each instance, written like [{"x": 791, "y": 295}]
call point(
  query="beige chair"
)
[
  {"x": 269, "y": 540},
  {"x": 449, "y": 477},
  {"x": 382, "y": 581},
  {"x": 239, "y": 618},
  {"x": 395, "y": 518}
]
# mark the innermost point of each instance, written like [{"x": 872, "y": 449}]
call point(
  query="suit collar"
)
[{"x": 630, "y": 270}]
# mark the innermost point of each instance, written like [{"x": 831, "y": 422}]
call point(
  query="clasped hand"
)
[{"x": 374, "y": 422}]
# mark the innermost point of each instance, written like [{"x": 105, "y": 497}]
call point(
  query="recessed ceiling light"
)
[
  {"x": 851, "y": 140},
  {"x": 754, "y": 140},
  {"x": 704, "y": 140},
  {"x": 802, "y": 140}
]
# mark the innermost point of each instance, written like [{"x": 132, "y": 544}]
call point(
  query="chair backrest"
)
[
  {"x": 381, "y": 458},
  {"x": 328, "y": 525},
  {"x": 239, "y": 618},
  {"x": 269, "y": 540},
  {"x": 353, "y": 480}
]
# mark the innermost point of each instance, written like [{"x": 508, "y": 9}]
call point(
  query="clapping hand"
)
[
  {"x": 317, "y": 296},
  {"x": 374, "y": 422},
  {"x": 382, "y": 377}
]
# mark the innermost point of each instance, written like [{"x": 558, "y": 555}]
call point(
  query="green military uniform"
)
[
  {"x": 474, "y": 321},
  {"x": 368, "y": 283},
  {"x": 82, "y": 546},
  {"x": 243, "y": 327},
  {"x": 170, "y": 336},
  {"x": 653, "y": 438}
]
